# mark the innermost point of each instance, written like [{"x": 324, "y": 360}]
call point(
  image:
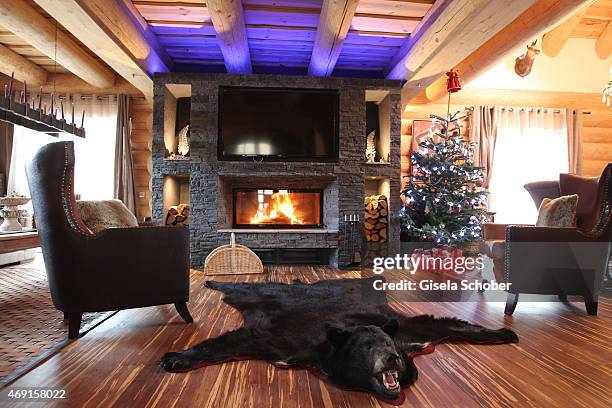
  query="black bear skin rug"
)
[{"x": 341, "y": 330}]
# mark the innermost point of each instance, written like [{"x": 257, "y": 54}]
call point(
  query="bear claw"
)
[
  {"x": 175, "y": 362},
  {"x": 509, "y": 335}
]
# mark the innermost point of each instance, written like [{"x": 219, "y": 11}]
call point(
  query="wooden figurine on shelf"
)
[
  {"x": 183, "y": 140},
  {"x": 371, "y": 147}
]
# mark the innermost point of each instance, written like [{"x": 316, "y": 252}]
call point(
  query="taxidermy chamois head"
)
[{"x": 524, "y": 62}]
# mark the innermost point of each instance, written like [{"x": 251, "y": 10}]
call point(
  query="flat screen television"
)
[{"x": 278, "y": 124}]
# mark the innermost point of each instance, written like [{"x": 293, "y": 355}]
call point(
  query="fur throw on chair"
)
[{"x": 99, "y": 215}]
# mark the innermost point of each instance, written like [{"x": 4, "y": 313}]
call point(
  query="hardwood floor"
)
[{"x": 563, "y": 359}]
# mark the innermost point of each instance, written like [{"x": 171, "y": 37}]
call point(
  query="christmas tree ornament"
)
[{"x": 452, "y": 82}]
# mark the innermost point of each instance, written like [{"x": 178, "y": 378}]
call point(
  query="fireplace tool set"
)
[{"x": 351, "y": 243}]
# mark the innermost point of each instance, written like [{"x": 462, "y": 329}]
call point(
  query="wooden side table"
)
[{"x": 18, "y": 241}]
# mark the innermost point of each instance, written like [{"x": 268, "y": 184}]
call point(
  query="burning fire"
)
[{"x": 280, "y": 210}]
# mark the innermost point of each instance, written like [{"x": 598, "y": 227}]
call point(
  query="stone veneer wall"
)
[{"x": 207, "y": 174}]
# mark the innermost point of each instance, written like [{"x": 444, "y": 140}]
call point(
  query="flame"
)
[{"x": 279, "y": 211}]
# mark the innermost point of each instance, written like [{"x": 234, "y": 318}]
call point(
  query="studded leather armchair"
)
[
  {"x": 563, "y": 261},
  {"x": 118, "y": 268}
]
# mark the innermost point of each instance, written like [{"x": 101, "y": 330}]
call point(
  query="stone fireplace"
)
[{"x": 282, "y": 210}]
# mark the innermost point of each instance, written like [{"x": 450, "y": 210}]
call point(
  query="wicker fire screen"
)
[{"x": 232, "y": 259}]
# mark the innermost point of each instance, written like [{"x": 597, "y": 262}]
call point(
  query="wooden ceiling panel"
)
[
  {"x": 372, "y": 23},
  {"x": 179, "y": 24},
  {"x": 201, "y": 56},
  {"x": 589, "y": 28},
  {"x": 183, "y": 41},
  {"x": 373, "y": 39},
  {"x": 194, "y": 61},
  {"x": 172, "y": 30},
  {"x": 271, "y": 60},
  {"x": 394, "y": 8},
  {"x": 600, "y": 10},
  {"x": 175, "y": 13},
  {"x": 371, "y": 51},
  {"x": 288, "y": 49},
  {"x": 594, "y": 21},
  {"x": 376, "y": 59},
  {"x": 359, "y": 66},
  {"x": 21, "y": 47},
  {"x": 283, "y": 17},
  {"x": 284, "y": 3},
  {"x": 281, "y": 34},
  {"x": 194, "y": 50},
  {"x": 171, "y": 2},
  {"x": 26, "y": 50},
  {"x": 7, "y": 38}
]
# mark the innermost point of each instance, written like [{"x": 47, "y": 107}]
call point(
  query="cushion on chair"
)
[
  {"x": 559, "y": 212},
  {"x": 104, "y": 214},
  {"x": 586, "y": 188}
]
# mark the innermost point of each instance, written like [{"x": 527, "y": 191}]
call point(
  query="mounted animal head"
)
[
  {"x": 366, "y": 358},
  {"x": 524, "y": 62}
]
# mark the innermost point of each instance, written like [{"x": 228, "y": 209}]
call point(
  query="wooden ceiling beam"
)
[
  {"x": 532, "y": 98},
  {"x": 529, "y": 25},
  {"x": 603, "y": 45},
  {"x": 451, "y": 30},
  {"x": 228, "y": 21},
  {"x": 555, "y": 39},
  {"x": 71, "y": 84},
  {"x": 334, "y": 23},
  {"x": 449, "y": 33},
  {"x": 199, "y": 24},
  {"x": 24, "y": 69},
  {"x": 113, "y": 33},
  {"x": 25, "y": 22},
  {"x": 145, "y": 39}
]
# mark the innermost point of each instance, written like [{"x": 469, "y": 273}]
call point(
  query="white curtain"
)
[
  {"x": 94, "y": 155},
  {"x": 531, "y": 146}
]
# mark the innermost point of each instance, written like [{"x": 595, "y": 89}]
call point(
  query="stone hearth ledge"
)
[{"x": 278, "y": 231}]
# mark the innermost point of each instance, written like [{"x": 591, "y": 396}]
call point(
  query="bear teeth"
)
[{"x": 389, "y": 380}]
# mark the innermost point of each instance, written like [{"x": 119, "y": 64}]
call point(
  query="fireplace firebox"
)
[{"x": 277, "y": 208}]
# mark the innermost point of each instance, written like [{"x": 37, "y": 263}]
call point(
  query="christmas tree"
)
[{"x": 444, "y": 203}]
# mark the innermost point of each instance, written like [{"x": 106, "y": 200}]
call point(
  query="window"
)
[
  {"x": 94, "y": 155},
  {"x": 531, "y": 146}
]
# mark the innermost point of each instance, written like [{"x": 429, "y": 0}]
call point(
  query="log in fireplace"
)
[{"x": 277, "y": 208}]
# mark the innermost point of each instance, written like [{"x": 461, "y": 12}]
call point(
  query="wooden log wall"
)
[
  {"x": 142, "y": 138},
  {"x": 597, "y": 141}
]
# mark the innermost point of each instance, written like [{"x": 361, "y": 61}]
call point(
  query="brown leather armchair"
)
[
  {"x": 561, "y": 261},
  {"x": 118, "y": 268}
]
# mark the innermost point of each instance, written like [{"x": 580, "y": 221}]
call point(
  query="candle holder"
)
[{"x": 35, "y": 118}]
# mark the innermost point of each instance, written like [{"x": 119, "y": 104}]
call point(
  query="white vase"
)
[{"x": 11, "y": 215}]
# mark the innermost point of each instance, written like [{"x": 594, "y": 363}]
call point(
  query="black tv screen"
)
[{"x": 278, "y": 124}]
